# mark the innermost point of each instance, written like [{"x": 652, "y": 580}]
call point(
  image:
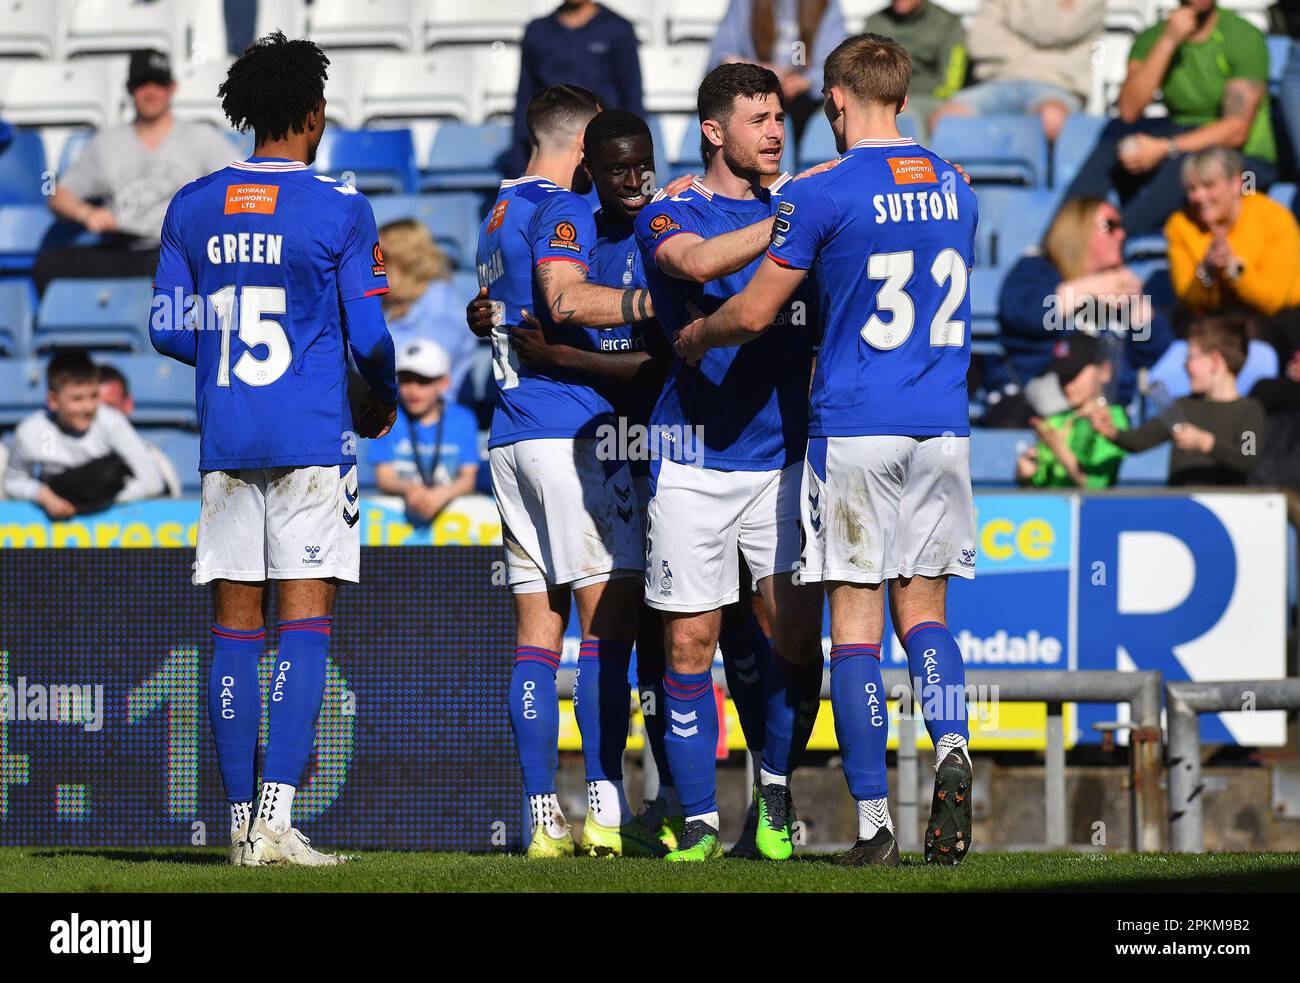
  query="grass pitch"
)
[{"x": 106, "y": 870}]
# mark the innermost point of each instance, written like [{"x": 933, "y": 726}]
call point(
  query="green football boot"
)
[{"x": 699, "y": 841}]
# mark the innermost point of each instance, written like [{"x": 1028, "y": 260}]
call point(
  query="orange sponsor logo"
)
[
  {"x": 255, "y": 199},
  {"x": 498, "y": 215},
  {"x": 912, "y": 170}
]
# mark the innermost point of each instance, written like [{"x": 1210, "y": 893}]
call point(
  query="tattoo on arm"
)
[
  {"x": 546, "y": 278},
  {"x": 1241, "y": 98}
]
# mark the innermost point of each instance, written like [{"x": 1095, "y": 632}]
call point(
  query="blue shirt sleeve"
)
[
  {"x": 805, "y": 217},
  {"x": 662, "y": 220},
  {"x": 372, "y": 346},
  {"x": 563, "y": 228},
  {"x": 173, "y": 283},
  {"x": 361, "y": 264}
]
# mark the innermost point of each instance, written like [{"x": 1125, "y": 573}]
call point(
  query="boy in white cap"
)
[{"x": 431, "y": 455}]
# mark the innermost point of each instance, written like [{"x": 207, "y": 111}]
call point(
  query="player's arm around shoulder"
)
[{"x": 682, "y": 253}]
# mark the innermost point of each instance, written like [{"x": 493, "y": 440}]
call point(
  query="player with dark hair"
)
[
  {"x": 889, "y": 236},
  {"x": 725, "y": 476},
  {"x": 285, "y": 265}
]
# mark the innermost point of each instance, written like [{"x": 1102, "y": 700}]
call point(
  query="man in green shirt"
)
[
  {"x": 936, "y": 42},
  {"x": 1070, "y": 452},
  {"x": 1211, "y": 69}
]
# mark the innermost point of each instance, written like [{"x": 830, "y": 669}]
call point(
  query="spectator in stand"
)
[
  {"x": 132, "y": 171},
  {"x": 579, "y": 43},
  {"x": 76, "y": 456},
  {"x": 936, "y": 41},
  {"x": 1228, "y": 248},
  {"x": 431, "y": 455},
  {"x": 1030, "y": 56},
  {"x": 1280, "y": 462},
  {"x": 1070, "y": 452},
  {"x": 1217, "y": 433},
  {"x": 421, "y": 302},
  {"x": 115, "y": 391},
  {"x": 1211, "y": 68},
  {"x": 1077, "y": 282},
  {"x": 790, "y": 37}
]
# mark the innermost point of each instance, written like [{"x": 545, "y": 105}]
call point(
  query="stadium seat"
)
[
  {"x": 993, "y": 454},
  {"x": 72, "y": 148},
  {"x": 985, "y": 288},
  {"x": 1284, "y": 194},
  {"x": 22, "y": 390},
  {"x": 687, "y": 159},
  {"x": 163, "y": 389},
  {"x": 196, "y": 93},
  {"x": 32, "y": 30},
  {"x": 670, "y": 77},
  {"x": 1132, "y": 16},
  {"x": 17, "y": 306},
  {"x": 452, "y": 218},
  {"x": 645, "y": 15},
  {"x": 1109, "y": 69},
  {"x": 995, "y": 149},
  {"x": 817, "y": 144},
  {"x": 1151, "y": 246},
  {"x": 367, "y": 24},
  {"x": 467, "y": 157},
  {"x": 289, "y": 16},
  {"x": 437, "y": 85},
  {"x": 111, "y": 26},
  {"x": 27, "y": 229},
  {"x": 458, "y": 22},
  {"x": 1073, "y": 145},
  {"x": 1012, "y": 221},
  {"x": 497, "y": 71},
  {"x": 182, "y": 447},
  {"x": 88, "y": 92},
  {"x": 1279, "y": 52},
  {"x": 1148, "y": 468},
  {"x": 694, "y": 20},
  {"x": 22, "y": 167},
  {"x": 372, "y": 161},
  {"x": 109, "y": 314}
]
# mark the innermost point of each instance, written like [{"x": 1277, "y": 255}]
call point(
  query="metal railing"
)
[{"x": 1186, "y": 701}]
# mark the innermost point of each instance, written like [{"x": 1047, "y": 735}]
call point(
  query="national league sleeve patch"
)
[
  {"x": 377, "y": 255},
  {"x": 565, "y": 236},
  {"x": 661, "y": 224}
]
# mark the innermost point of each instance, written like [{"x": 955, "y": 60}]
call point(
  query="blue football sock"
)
[
  {"x": 650, "y": 686},
  {"x": 297, "y": 689},
  {"x": 601, "y": 697},
  {"x": 861, "y": 718},
  {"x": 691, "y": 739},
  {"x": 793, "y": 699},
  {"x": 535, "y": 717},
  {"x": 235, "y": 706},
  {"x": 746, "y": 653},
  {"x": 938, "y": 679}
]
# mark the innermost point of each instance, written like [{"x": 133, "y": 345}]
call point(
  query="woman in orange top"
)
[{"x": 1230, "y": 247}]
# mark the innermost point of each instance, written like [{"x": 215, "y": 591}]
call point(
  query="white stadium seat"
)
[
  {"x": 289, "y": 16},
  {"x": 1133, "y": 16},
  {"x": 344, "y": 80},
  {"x": 857, "y": 11},
  {"x": 196, "y": 93},
  {"x": 32, "y": 28},
  {"x": 477, "y": 22},
  {"x": 670, "y": 77},
  {"x": 646, "y": 16},
  {"x": 1109, "y": 69},
  {"x": 694, "y": 20},
  {"x": 111, "y": 26},
  {"x": 367, "y": 24},
  {"x": 497, "y": 71},
  {"x": 438, "y": 84},
  {"x": 85, "y": 92}
]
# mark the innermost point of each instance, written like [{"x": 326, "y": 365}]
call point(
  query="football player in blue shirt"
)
[
  {"x": 284, "y": 268},
  {"x": 889, "y": 236},
  {"x": 729, "y": 435}
]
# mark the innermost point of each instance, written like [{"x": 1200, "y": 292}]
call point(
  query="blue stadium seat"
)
[
  {"x": 22, "y": 168},
  {"x": 1153, "y": 246},
  {"x": 1073, "y": 145},
  {"x": 452, "y": 218},
  {"x": 23, "y": 230},
  {"x": 377, "y": 161},
  {"x": 17, "y": 305},
  {"x": 22, "y": 390},
  {"x": 995, "y": 149},
  {"x": 182, "y": 446},
  {"x": 817, "y": 143},
  {"x": 163, "y": 389},
  {"x": 1012, "y": 221},
  {"x": 688, "y": 159},
  {"x": 1283, "y": 193},
  {"x": 72, "y": 148},
  {"x": 985, "y": 287},
  {"x": 1279, "y": 51},
  {"x": 993, "y": 454},
  {"x": 109, "y": 314},
  {"x": 1148, "y": 468},
  {"x": 467, "y": 157}
]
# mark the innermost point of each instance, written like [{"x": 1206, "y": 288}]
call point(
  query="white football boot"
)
[
  {"x": 266, "y": 848},
  {"x": 237, "y": 838}
]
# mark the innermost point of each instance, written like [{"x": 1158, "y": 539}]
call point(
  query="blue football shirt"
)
[
  {"x": 532, "y": 222},
  {"x": 889, "y": 234},
  {"x": 749, "y": 401},
  {"x": 429, "y": 451},
  {"x": 271, "y": 251}
]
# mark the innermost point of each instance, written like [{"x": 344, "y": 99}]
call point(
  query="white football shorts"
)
[
  {"x": 698, "y": 519},
  {"x": 279, "y": 524},
  {"x": 567, "y": 517},
  {"x": 875, "y": 508}
]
